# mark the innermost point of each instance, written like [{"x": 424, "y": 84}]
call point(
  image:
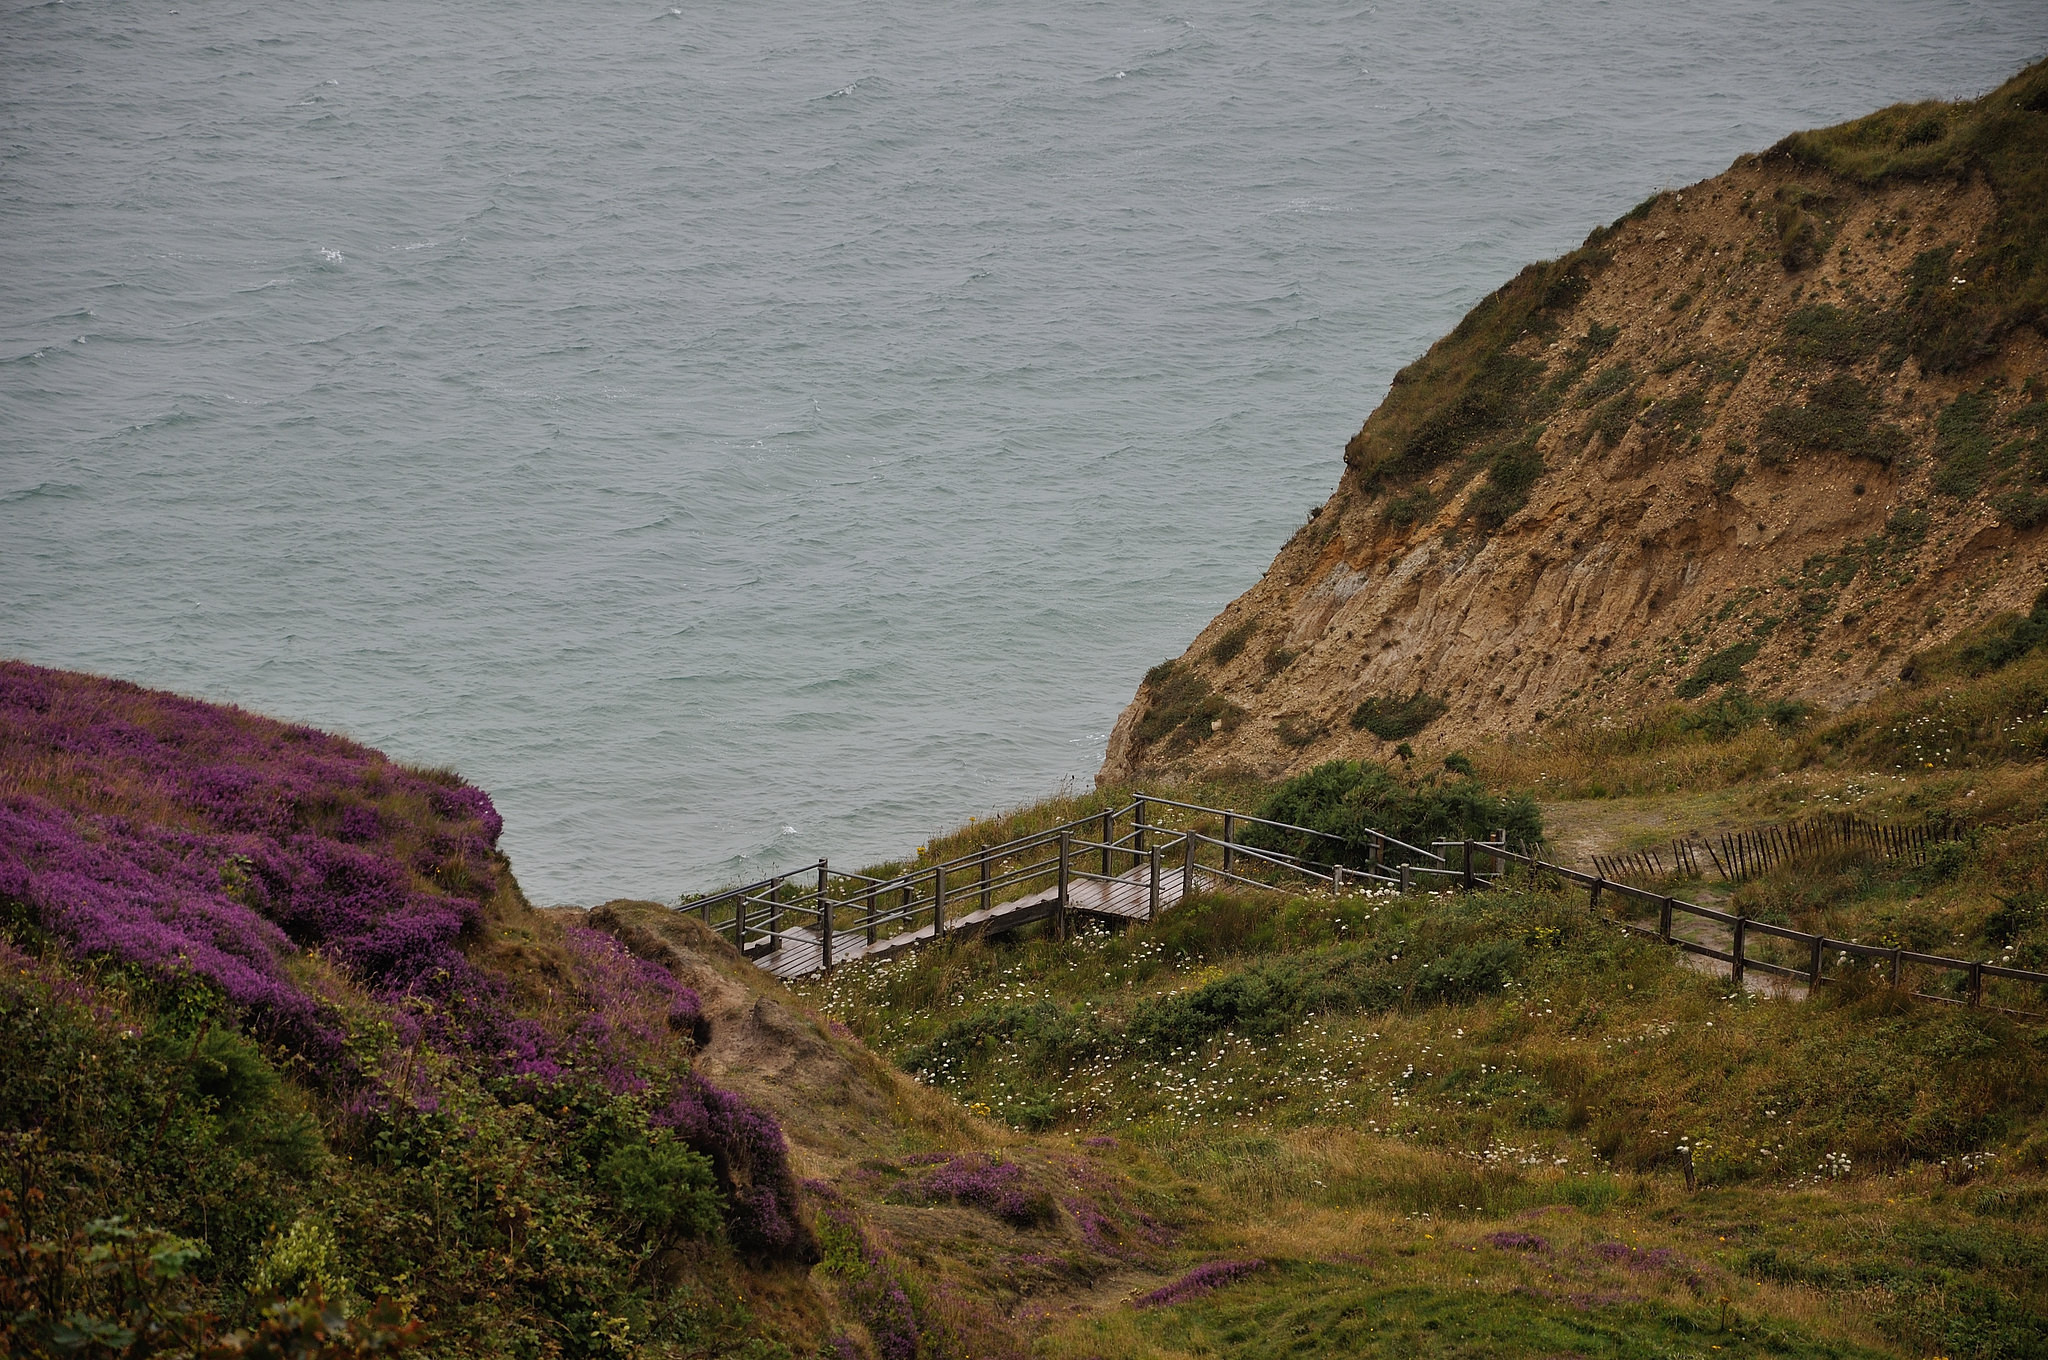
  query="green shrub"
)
[
  {"x": 1722, "y": 668},
  {"x": 1962, "y": 445},
  {"x": 665, "y": 1187},
  {"x": 1350, "y": 799},
  {"x": 1391, "y": 719}
]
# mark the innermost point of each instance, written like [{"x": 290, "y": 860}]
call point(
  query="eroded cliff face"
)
[{"x": 1774, "y": 433}]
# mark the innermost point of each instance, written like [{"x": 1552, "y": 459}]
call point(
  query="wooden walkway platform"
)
[{"x": 1128, "y": 897}]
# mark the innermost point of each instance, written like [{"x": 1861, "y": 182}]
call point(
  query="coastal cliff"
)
[{"x": 1759, "y": 442}]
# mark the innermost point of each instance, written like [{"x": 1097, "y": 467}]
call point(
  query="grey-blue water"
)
[{"x": 735, "y": 433}]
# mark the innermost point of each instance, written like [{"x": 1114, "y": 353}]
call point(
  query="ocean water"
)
[{"x": 738, "y": 433}]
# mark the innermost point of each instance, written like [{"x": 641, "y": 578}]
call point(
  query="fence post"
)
[
  {"x": 1664, "y": 920},
  {"x": 1138, "y": 823},
  {"x": 1895, "y": 966},
  {"x": 739, "y": 922},
  {"x": 1741, "y": 934},
  {"x": 1108, "y": 832},
  {"x": 1059, "y": 928},
  {"x": 984, "y": 875},
  {"x": 1813, "y": 966},
  {"x": 871, "y": 913},
  {"x": 824, "y": 919},
  {"x": 1468, "y": 866},
  {"x": 775, "y": 920},
  {"x": 1407, "y": 877},
  {"x": 1976, "y": 983},
  {"x": 938, "y": 900},
  {"x": 1599, "y": 882},
  {"x": 1152, "y": 903},
  {"x": 1336, "y": 878},
  {"x": 1229, "y": 823}
]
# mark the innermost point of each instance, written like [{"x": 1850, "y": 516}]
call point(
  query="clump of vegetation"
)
[
  {"x": 1392, "y": 719},
  {"x": 1298, "y": 731},
  {"x": 1822, "y": 333},
  {"x": 1183, "y": 708},
  {"x": 1722, "y": 668},
  {"x": 1511, "y": 472},
  {"x": 1227, "y": 648},
  {"x": 1348, "y": 800},
  {"x": 1279, "y": 659},
  {"x": 1962, "y": 445},
  {"x": 1840, "y": 415}
]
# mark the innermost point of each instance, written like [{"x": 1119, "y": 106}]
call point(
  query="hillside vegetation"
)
[
  {"x": 1494, "y": 1124},
  {"x": 1781, "y": 429}
]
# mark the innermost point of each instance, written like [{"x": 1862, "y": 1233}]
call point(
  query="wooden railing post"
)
[
  {"x": 938, "y": 900},
  {"x": 1895, "y": 966},
  {"x": 1138, "y": 823},
  {"x": 1598, "y": 884},
  {"x": 1976, "y": 983},
  {"x": 1059, "y": 928},
  {"x": 1741, "y": 950},
  {"x": 1229, "y": 824},
  {"x": 1468, "y": 866},
  {"x": 1336, "y": 878},
  {"x": 1187, "y": 866},
  {"x": 739, "y": 922},
  {"x": 1108, "y": 834},
  {"x": 984, "y": 876},
  {"x": 824, "y": 919},
  {"x": 871, "y": 913},
  {"x": 1664, "y": 920},
  {"x": 1152, "y": 903},
  {"x": 775, "y": 919},
  {"x": 1813, "y": 966},
  {"x": 1407, "y": 877}
]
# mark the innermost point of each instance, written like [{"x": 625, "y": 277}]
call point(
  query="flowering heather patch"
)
[
  {"x": 749, "y": 1158},
  {"x": 625, "y": 1007},
  {"x": 1518, "y": 1241},
  {"x": 197, "y": 840},
  {"x": 983, "y": 1182},
  {"x": 1201, "y": 1280}
]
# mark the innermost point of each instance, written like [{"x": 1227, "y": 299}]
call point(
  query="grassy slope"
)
[{"x": 1382, "y": 1098}]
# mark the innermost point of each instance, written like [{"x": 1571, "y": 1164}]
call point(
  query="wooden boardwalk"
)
[{"x": 1127, "y": 897}]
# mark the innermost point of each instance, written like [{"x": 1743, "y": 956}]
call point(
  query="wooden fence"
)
[
  {"x": 1813, "y": 960},
  {"x": 1741, "y": 855}
]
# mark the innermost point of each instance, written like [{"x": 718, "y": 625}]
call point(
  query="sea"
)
[{"x": 734, "y": 434}]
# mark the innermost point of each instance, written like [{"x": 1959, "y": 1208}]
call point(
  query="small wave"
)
[
  {"x": 55, "y": 491},
  {"x": 332, "y": 256}
]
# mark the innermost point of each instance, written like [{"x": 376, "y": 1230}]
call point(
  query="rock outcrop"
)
[{"x": 1769, "y": 435}]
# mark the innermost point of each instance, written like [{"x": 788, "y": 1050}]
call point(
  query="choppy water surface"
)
[{"x": 734, "y": 433}]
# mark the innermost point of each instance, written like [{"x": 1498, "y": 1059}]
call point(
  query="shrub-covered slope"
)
[
  {"x": 1781, "y": 429},
  {"x": 293, "y": 1066},
  {"x": 1496, "y": 1125}
]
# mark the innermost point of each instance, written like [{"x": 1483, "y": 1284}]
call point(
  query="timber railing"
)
[
  {"x": 1808, "y": 959},
  {"x": 1122, "y": 861}
]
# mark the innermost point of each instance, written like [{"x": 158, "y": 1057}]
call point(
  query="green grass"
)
[{"x": 2002, "y": 137}]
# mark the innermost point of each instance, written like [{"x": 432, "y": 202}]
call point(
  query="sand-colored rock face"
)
[{"x": 1689, "y": 406}]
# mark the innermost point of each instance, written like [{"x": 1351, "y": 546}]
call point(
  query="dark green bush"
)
[
  {"x": 1510, "y": 474},
  {"x": 1350, "y": 799}
]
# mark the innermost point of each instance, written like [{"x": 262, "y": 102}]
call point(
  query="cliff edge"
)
[{"x": 1765, "y": 437}]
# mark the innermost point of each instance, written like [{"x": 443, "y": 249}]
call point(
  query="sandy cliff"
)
[{"x": 1771, "y": 434}]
